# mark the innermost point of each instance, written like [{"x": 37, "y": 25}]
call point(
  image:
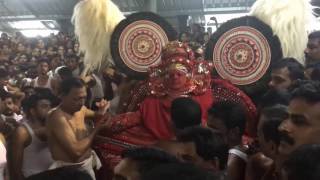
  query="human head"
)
[
  {"x": 7, "y": 104},
  {"x": 4, "y": 77},
  {"x": 36, "y": 52},
  {"x": 312, "y": 71},
  {"x": 203, "y": 147},
  {"x": 72, "y": 61},
  {"x": 55, "y": 61},
  {"x": 40, "y": 44},
  {"x": 285, "y": 73},
  {"x": 184, "y": 37},
  {"x": 303, "y": 125},
  {"x": 178, "y": 171},
  {"x": 303, "y": 163},
  {"x": 268, "y": 134},
  {"x": 138, "y": 161},
  {"x": 273, "y": 97},
  {"x": 43, "y": 67},
  {"x": 28, "y": 91},
  {"x": 73, "y": 94},
  {"x": 228, "y": 118},
  {"x": 20, "y": 47},
  {"x": 185, "y": 112},
  {"x": 64, "y": 173},
  {"x": 76, "y": 47},
  {"x": 64, "y": 73},
  {"x": 37, "y": 106},
  {"x": 61, "y": 50},
  {"x": 312, "y": 52}
]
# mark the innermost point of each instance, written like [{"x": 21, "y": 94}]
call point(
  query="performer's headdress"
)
[
  {"x": 179, "y": 56},
  {"x": 244, "y": 49},
  {"x": 94, "y": 22}
]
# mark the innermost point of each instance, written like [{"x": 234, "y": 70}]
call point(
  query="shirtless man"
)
[{"x": 68, "y": 137}]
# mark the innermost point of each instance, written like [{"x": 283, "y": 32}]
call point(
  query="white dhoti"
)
[{"x": 87, "y": 166}]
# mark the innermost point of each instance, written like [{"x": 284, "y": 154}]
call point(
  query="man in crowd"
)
[
  {"x": 43, "y": 80},
  {"x": 303, "y": 163},
  {"x": 303, "y": 125},
  {"x": 138, "y": 161},
  {"x": 28, "y": 150},
  {"x": 68, "y": 137},
  {"x": 285, "y": 73},
  {"x": 312, "y": 51}
]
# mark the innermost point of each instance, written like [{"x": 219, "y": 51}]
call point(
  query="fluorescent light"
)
[
  {"x": 27, "y": 25},
  {"x": 35, "y": 33}
]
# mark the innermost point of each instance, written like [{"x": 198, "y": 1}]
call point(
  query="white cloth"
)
[
  {"x": 239, "y": 153},
  {"x": 93, "y": 162},
  {"x": 3, "y": 160},
  {"x": 47, "y": 85},
  {"x": 36, "y": 157}
]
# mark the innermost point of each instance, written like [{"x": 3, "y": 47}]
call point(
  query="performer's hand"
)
[{"x": 102, "y": 106}]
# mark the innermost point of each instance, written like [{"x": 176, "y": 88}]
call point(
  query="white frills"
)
[
  {"x": 94, "y": 22},
  {"x": 289, "y": 20}
]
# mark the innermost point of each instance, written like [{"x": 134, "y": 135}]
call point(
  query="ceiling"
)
[{"x": 60, "y": 11}]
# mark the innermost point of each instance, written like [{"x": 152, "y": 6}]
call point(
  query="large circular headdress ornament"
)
[
  {"x": 242, "y": 51},
  {"x": 137, "y": 42}
]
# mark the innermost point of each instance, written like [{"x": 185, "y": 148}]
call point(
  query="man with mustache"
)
[{"x": 303, "y": 124}]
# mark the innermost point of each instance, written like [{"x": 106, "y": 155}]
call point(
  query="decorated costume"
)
[
  {"x": 137, "y": 48},
  {"x": 244, "y": 49}
]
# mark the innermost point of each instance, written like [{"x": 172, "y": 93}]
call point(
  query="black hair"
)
[
  {"x": 43, "y": 60},
  {"x": 274, "y": 116},
  {"x": 148, "y": 158},
  {"x": 72, "y": 56},
  {"x": 65, "y": 73},
  {"x": 304, "y": 163},
  {"x": 3, "y": 73},
  {"x": 308, "y": 90},
  {"x": 314, "y": 35},
  {"x": 177, "y": 171},
  {"x": 315, "y": 74},
  {"x": 64, "y": 173},
  {"x": 296, "y": 70},
  {"x": 231, "y": 114},
  {"x": 185, "y": 112},
  {"x": 273, "y": 97},
  {"x": 40, "y": 94},
  {"x": 209, "y": 144},
  {"x": 5, "y": 95},
  {"x": 67, "y": 84}
]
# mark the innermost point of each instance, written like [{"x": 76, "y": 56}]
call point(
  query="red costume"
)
[{"x": 151, "y": 122}]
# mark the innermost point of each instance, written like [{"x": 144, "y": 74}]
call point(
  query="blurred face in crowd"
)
[
  {"x": 302, "y": 126},
  {"x": 184, "y": 37},
  {"x": 7, "y": 106},
  {"x": 187, "y": 152},
  {"x": 76, "y": 47},
  {"x": 50, "y": 51},
  {"x": 5, "y": 49},
  {"x": 72, "y": 63},
  {"x": 177, "y": 77},
  {"x": 70, "y": 51},
  {"x": 55, "y": 62},
  {"x": 43, "y": 68},
  {"x": 280, "y": 79},
  {"x": 206, "y": 38},
  {"x": 40, "y": 44},
  {"x": 23, "y": 59},
  {"x": 41, "y": 110},
  {"x": 20, "y": 47},
  {"x": 127, "y": 169},
  {"x": 36, "y": 52},
  {"x": 75, "y": 99},
  {"x": 29, "y": 91},
  {"x": 312, "y": 52},
  {"x": 61, "y": 50}
]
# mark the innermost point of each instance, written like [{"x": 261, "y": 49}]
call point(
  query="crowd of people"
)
[{"x": 51, "y": 114}]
